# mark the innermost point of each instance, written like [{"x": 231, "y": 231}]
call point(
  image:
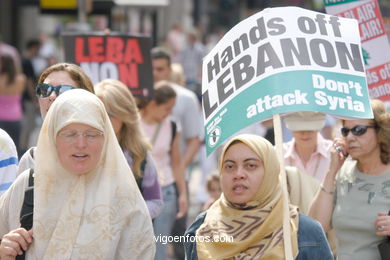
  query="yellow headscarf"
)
[
  {"x": 257, "y": 226},
  {"x": 98, "y": 215}
]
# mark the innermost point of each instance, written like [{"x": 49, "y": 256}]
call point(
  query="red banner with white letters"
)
[
  {"x": 122, "y": 57},
  {"x": 375, "y": 43}
]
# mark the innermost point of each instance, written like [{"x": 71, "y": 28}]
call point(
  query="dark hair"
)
[
  {"x": 33, "y": 43},
  {"x": 8, "y": 68},
  {"x": 163, "y": 92},
  {"x": 160, "y": 53}
]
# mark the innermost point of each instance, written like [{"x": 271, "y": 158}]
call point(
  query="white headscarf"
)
[{"x": 98, "y": 215}]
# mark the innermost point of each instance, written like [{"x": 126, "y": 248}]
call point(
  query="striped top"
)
[{"x": 8, "y": 161}]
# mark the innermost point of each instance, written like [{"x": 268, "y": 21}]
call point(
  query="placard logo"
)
[{"x": 214, "y": 136}]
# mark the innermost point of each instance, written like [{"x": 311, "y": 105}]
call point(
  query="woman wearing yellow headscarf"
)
[
  {"x": 86, "y": 201},
  {"x": 247, "y": 221}
]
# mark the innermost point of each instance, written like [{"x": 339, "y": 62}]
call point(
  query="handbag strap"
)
[{"x": 156, "y": 132}]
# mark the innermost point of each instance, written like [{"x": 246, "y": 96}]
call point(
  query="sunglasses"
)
[
  {"x": 357, "y": 130},
  {"x": 44, "y": 90}
]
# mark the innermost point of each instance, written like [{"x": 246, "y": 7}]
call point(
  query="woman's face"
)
[
  {"x": 305, "y": 138},
  {"x": 79, "y": 147},
  {"x": 242, "y": 174},
  {"x": 363, "y": 145},
  {"x": 161, "y": 111},
  {"x": 55, "y": 78}
]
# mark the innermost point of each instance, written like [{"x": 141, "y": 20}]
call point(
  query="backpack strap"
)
[
  {"x": 26, "y": 213},
  {"x": 31, "y": 178},
  {"x": 174, "y": 129}
]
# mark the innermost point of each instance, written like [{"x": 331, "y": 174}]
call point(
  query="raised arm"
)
[
  {"x": 322, "y": 205},
  {"x": 191, "y": 150},
  {"x": 178, "y": 173}
]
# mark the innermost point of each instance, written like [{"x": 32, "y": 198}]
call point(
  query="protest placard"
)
[
  {"x": 122, "y": 57},
  {"x": 375, "y": 43},
  {"x": 283, "y": 60}
]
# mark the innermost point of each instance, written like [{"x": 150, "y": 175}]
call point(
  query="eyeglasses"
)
[
  {"x": 44, "y": 90},
  {"x": 357, "y": 130},
  {"x": 70, "y": 136}
]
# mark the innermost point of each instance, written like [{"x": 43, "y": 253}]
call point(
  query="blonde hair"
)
[
  {"x": 120, "y": 103},
  {"x": 177, "y": 74},
  {"x": 75, "y": 72}
]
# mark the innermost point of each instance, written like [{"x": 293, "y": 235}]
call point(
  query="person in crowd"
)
[
  {"x": 9, "y": 50},
  {"x": 191, "y": 58},
  {"x": 301, "y": 188},
  {"x": 207, "y": 163},
  {"x": 29, "y": 100},
  {"x": 86, "y": 203},
  {"x": 8, "y": 161},
  {"x": 162, "y": 133},
  {"x": 252, "y": 200},
  {"x": 186, "y": 113},
  {"x": 308, "y": 150},
  {"x": 328, "y": 131},
  {"x": 214, "y": 37},
  {"x": 175, "y": 40},
  {"x": 353, "y": 198},
  {"x": 186, "y": 108},
  {"x": 177, "y": 74},
  {"x": 47, "y": 55},
  {"x": 12, "y": 84},
  {"x": 123, "y": 112},
  {"x": 52, "y": 82},
  {"x": 213, "y": 186}
]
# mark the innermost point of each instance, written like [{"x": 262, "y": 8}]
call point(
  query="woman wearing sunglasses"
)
[
  {"x": 52, "y": 82},
  {"x": 86, "y": 202},
  {"x": 354, "y": 196}
]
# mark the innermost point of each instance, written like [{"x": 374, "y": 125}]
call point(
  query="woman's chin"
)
[{"x": 238, "y": 199}]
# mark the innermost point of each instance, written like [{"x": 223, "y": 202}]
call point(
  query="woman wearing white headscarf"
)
[
  {"x": 86, "y": 201},
  {"x": 246, "y": 222}
]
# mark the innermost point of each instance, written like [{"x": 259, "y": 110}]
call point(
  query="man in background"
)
[
  {"x": 191, "y": 58},
  {"x": 186, "y": 113},
  {"x": 29, "y": 100}
]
